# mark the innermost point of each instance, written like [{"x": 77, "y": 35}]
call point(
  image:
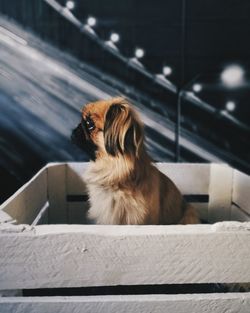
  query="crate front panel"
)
[
  {"x": 89, "y": 255},
  {"x": 196, "y": 303}
]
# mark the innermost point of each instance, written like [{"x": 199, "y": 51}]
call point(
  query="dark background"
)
[
  {"x": 216, "y": 32},
  {"x": 197, "y": 39}
]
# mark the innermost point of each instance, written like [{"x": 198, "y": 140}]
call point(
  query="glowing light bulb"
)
[
  {"x": 70, "y": 5},
  {"x": 230, "y": 106},
  {"x": 232, "y": 76},
  {"x": 139, "y": 53},
  {"x": 91, "y": 21},
  {"x": 167, "y": 70},
  {"x": 197, "y": 87},
  {"x": 114, "y": 37}
]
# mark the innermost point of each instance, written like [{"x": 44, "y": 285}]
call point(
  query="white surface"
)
[
  {"x": 84, "y": 255},
  {"x": 57, "y": 193},
  {"x": 189, "y": 178},
  {"x": 241, "y": 190},
  {"x": 190, "y": 303},
  {"x": 220, "y": 193},
  {"x": 25, "y": 204}
]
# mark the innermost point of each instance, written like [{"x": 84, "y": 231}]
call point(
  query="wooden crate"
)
[{"x": 44, "y": 243}]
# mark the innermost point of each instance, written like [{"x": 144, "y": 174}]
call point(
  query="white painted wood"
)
[
  {"x": 50, "y": 256},
  {"x": 75, "y": 185},
  {"x": 190, "y": 178},
  {"x": 75, "y": 178},
  {"x": 239, "y": 215},
  {"x": 11, "y": 293},
  {"x": 57, "y": 193},
  {"x": 6, "y": 218},
  {"x": 42, "y": 216},
  {"x": 189, "y": 303},
  {"x": 241, "y": 190},
  {"x": 25, "y": 204},
  {"x": 220, "y": 193}
]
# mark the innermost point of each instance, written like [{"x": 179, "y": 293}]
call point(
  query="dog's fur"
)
[{"x": 124, "y": 186}]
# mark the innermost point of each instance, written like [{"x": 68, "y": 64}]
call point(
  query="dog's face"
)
[{"x": 109, "y": 128}]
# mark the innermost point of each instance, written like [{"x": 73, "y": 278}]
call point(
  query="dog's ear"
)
[{"x": 123, "y": 131}]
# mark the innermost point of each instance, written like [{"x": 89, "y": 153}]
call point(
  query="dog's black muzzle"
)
[{"x": 78, "y": 137}]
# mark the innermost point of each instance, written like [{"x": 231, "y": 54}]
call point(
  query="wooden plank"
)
[
  {"x": 10, "y": 293},
  {"x": 6, "y": 218},
  {"x": 189, "y": 303},
  {"x": 42, "y": 216},
  {"x": 50, "y": 256},
  {"x": 190, "y": 178},
  {"x": 220, "y": 193},
  {"x": 75, "y": 185},
  {"x": 57, "y": 193},
  {"x": 241, "y": 190},
  {"x": 25, "y": 204},
  {"x": 75, "y": 178},
  {"x": 239, "y": 215}
]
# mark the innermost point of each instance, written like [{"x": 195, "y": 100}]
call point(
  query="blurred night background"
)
[{"x": 184, "y": 64}]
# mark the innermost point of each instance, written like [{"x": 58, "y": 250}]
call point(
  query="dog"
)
[{"x": 124, "y": 185}]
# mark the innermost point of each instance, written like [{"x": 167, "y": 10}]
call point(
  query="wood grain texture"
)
[
  {"x": 195, "y": 303},
  {"x": 241, "y": 190},
  {"x": 89, "y": 255},
  {"x": 25, "y": 204},
  {"x": 220, "y": 193}
]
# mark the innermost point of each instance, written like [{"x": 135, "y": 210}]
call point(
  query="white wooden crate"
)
[{"x": 45, "y": 244}]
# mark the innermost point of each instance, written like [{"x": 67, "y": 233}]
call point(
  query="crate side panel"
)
[
  {"x": 241, "y": 190},
  {"x": 195, "y": 303},
  {"x": 189, "y": 178},
  {"x": 76, "y": 186},
  {"x": 57, "y": 194},
  {"x": 26, "y": 203},
  {"x": 239, "y": 215},
  {"x": 75, "y": 178},
  {"x": 85, "y": 255},
  {"x": 220, "y": 193}
]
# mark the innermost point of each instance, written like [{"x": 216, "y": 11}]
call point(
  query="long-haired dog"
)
[{"x": 124, "y": 186}]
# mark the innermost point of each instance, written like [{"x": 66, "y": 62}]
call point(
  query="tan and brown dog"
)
[{"x": 124, "y": 186}]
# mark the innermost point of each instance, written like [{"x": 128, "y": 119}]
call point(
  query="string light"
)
[
  {"x": 139, "y": 53},
  {"x": 230, "y": 106},
  {"x": 232, "y": 76},
  {"x": 70, "y": 5},
  {"x": 167, "y": 70},
  {"x": 91, "y": 21},
  {"x": 197, "y": 87},
  {"x": 114, "y": 37}
]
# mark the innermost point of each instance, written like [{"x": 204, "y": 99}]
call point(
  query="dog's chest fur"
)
[{"x": 110, "y": 204}]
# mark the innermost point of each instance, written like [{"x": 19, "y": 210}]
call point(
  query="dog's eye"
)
[{"x": 90, "y": 124}]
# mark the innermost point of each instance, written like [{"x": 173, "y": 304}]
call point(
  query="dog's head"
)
[{"x": 109, "y": 127}]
